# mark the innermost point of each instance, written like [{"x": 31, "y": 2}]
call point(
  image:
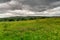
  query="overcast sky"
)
[{"x": 32, "y": 5}]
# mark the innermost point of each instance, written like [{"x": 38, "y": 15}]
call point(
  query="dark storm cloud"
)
[
  {"x": 34, "y": 5},
  {"x": 38, "y": 5},
  {"x": 3, "y": 1},
  {"x": 14, "y": 7}
]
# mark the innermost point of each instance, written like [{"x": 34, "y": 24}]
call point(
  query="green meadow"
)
[{"x": 38, "y": 29}]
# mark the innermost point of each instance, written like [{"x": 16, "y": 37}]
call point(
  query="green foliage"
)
[
  {"x": 39, "y": 29},
  {"x": 21, "y": 18}
]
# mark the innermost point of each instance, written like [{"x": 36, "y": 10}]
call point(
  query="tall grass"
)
[{"x": 39, "y": 29}]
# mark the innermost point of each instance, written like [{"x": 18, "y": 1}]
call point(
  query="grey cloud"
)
[
  {"x": 55, "y": 4},
  {"x": 3, "y": 1},
  {"x": 31, "y": 5},
  {"x": 39, "y": 5},
  {"x": 34, "y": 5}
]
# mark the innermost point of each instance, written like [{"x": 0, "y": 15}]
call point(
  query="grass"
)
[{"x": 39, "y": 29}]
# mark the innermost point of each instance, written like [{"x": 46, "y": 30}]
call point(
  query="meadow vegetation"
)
[{"x": 38, "y": 29}]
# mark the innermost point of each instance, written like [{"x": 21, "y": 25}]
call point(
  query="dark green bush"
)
[{"x": 21, "y": 18}]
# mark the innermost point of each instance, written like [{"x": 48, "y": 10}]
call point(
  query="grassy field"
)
[{"x": 39, "y": 29}]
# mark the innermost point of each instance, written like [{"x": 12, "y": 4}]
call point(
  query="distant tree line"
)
[{"x": 21, "y": 18}]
